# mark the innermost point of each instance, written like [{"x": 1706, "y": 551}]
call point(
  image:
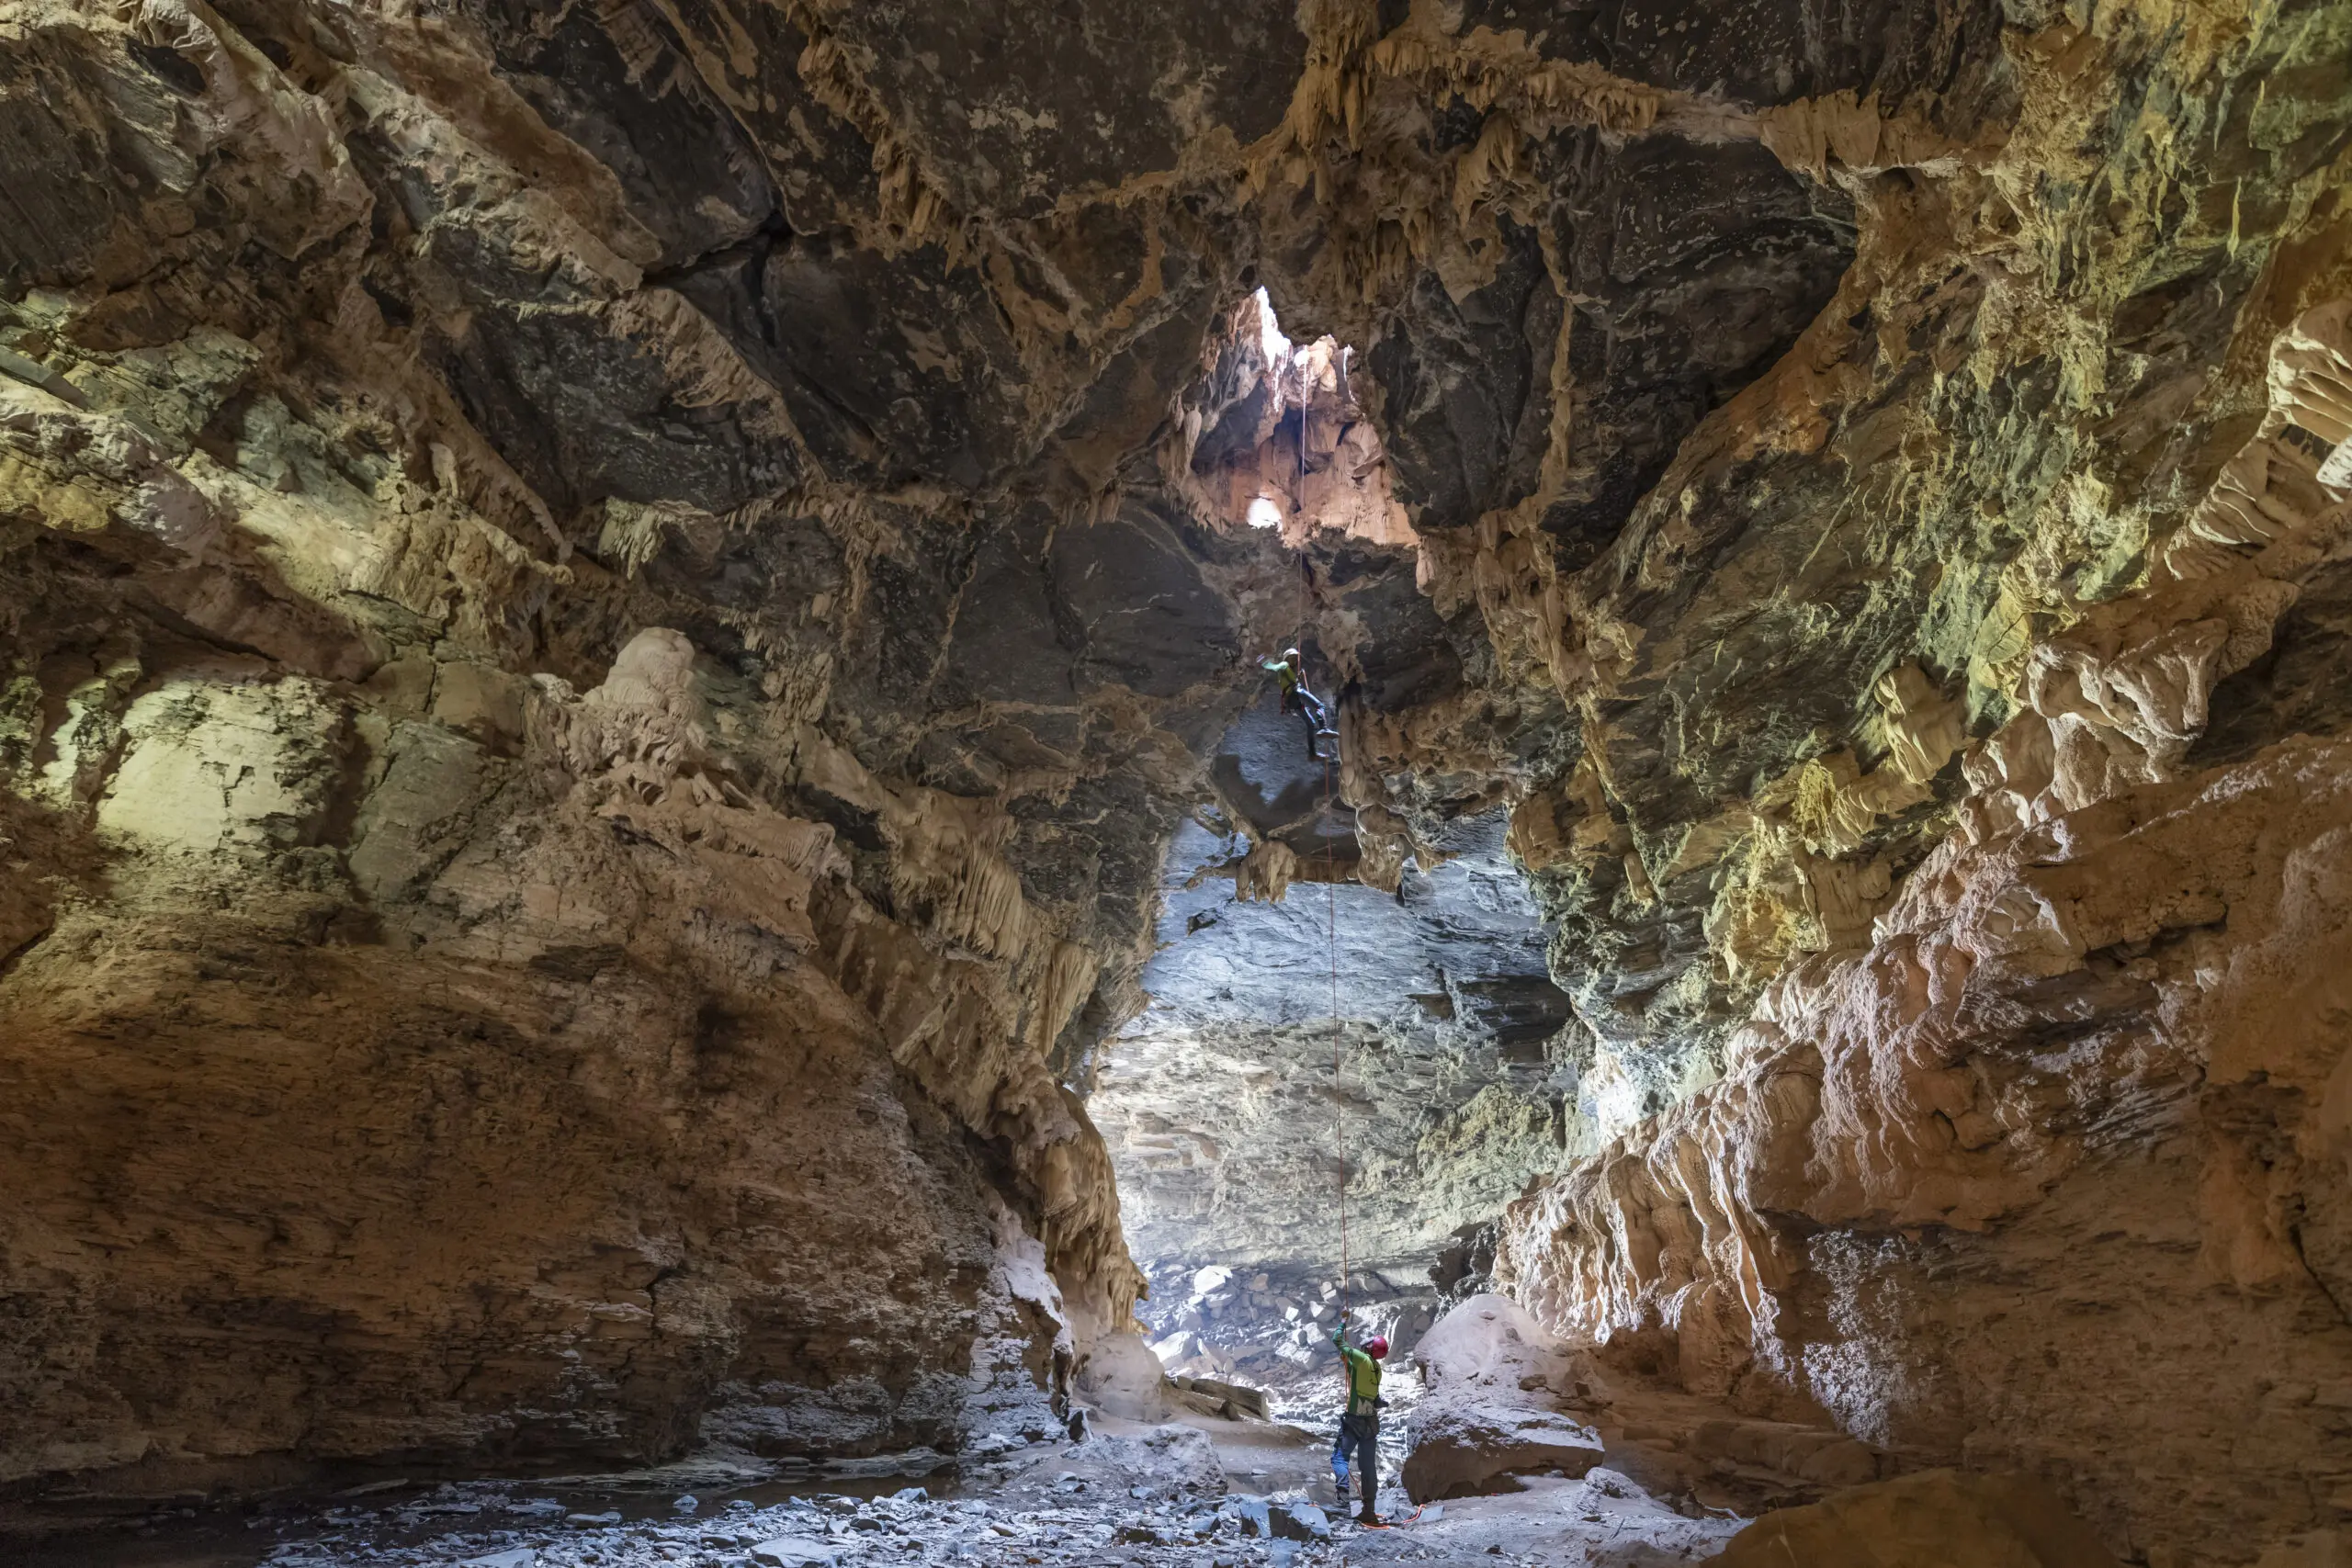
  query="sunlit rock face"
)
[
  {"x": 1444, "y": 1019},
  {"x": 2079, "y": 1103},
  {"x": 622, "y": 632}
]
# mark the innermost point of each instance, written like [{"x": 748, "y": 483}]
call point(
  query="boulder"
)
[
  {"x": 1232, "y": 1401},
  {"x": 1495, "y": 1380},
  {"x": 1171, "y": 1458},
  {"x": 1461, "y": 1446},
  {"x": 1937, "y": 1518},
  {"x": 1120, "y": 1376},
  {"x": 1300, "y": 1521},
  {"x": 795, "y": 1551},
  {"x": 1249, "y": 1515},
  {"x": 1491, "y": 1342}
]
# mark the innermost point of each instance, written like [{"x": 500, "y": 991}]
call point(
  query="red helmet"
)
[{"x": 1377, "y": 1347}]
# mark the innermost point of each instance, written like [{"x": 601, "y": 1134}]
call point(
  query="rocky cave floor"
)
[
  {"x": 1200, "y": 1493},
  {"x": 1499, "y": 1444}
]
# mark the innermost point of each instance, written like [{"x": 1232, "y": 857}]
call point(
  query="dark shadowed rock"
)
[{"x": 1937, "y": 1519}]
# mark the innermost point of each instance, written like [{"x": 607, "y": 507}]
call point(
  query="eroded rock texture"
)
[
  {"x": 610, "y": 615},
  {"x": 2072, "y": 1118},
  {"x": 562, "y": 811}
]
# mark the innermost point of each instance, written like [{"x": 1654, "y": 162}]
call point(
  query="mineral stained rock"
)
[
  {"x": 2076, "y": 1108},
  {"x": 608, "y": 618}
]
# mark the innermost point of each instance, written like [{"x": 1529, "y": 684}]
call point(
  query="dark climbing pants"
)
[
  {"x": 1318, "y": 717},
  {"x": 1359, "y": 1438}
]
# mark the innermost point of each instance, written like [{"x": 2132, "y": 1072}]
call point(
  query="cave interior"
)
[{"x": 657, "y": 905}]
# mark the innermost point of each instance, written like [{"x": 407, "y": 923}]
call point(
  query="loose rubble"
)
[
  {"x": 1602, "y": 1520},
  {"x": 1553, "y": 1474},
  {"x": 1149, "y": 1496}
]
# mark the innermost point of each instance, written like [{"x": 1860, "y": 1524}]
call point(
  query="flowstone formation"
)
[{"x": 629, "y": 669}]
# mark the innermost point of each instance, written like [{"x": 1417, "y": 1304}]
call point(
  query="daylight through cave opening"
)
[{"x": 1226, "y": 1101}]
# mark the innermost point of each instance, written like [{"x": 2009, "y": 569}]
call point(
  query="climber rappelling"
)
[
  {"x": 1291, "y": 670},
  {"x": 1358, "y": 1437}
]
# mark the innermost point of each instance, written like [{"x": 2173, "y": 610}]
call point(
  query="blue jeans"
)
[{"x": 1358, "y": 1437}]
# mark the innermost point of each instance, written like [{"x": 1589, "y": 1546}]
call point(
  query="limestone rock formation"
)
[
  {"x": 537, "y": 811},
  {"x": 2090, "y": 1056},
  {"x": 629, "y": 702},
  {"x": 1499, "y": 1398},
  {"x": 1493, "y": 1377}
]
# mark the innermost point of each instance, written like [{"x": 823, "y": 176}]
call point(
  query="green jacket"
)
[
  {"x": 1363, "y": 1376},
  {"x": 1286, "y": 669}
]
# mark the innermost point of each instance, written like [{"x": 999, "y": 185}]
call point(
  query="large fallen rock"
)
[
  {"x": 1229, "y": 1400},
  {"x": 1491, "y": 1342},
  {"x": 1937, "y": 1518},
  {"x": 1462, "y": 1448},
  {"x": 1496, "y": 1381},
  {"x": 1119, "y": 1376}
]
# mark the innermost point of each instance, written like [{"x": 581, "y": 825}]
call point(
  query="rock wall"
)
[
  {"x": 2050, "y": 1175},
  {"x": 373, "y": 1094},
  {"x": 561, "y": 826}
]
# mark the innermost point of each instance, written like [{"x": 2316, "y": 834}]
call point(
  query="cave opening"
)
[
  {"x": 1352, "y": 1042},
  {"x": 1282, "y": 437}
]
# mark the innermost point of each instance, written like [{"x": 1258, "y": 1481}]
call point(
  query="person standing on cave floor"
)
[
  {"x": 1290, "y": 668},
  {"x": 1360, "y": 1426}
]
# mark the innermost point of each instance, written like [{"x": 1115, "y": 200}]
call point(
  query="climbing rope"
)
[
  {"x": 1339, "y": 1105},
  {"x": 1331, "y": 901},
  {"x": 1330, "y": 888}
]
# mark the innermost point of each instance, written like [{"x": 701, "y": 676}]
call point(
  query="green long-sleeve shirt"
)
[{"x": 1364, "y": 1374}]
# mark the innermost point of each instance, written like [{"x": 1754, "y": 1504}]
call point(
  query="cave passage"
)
[
  {"x": 1294, "y": 1009},
  {"x": 656, "y": 912}
]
